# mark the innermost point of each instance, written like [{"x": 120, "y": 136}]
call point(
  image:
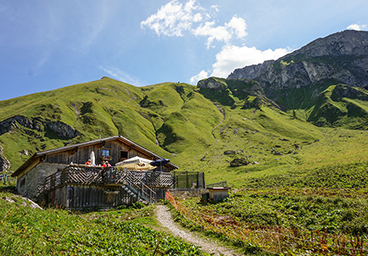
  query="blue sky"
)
[{"x": 45, "y": 45}]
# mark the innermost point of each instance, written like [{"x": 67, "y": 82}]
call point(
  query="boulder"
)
[
  {"x": 238, "y": 162},
  {"x": 230, "y": 152}
]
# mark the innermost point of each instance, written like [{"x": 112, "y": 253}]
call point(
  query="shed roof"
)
[{"x": 120, "y": 138}]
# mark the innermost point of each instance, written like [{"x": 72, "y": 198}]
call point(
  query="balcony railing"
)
[{"x": 111, "y": 176}]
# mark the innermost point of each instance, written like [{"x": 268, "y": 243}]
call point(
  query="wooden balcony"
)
[{"x": 109, "y": 176}]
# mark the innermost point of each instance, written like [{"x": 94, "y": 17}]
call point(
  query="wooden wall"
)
[
  {"x": 82, "y": 154},
  {"x": 81, "y": 197}
]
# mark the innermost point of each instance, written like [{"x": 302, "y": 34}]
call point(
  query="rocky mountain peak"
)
[
  {"x": 338, "y": 58},
  {"x": 348, "y": 42}
]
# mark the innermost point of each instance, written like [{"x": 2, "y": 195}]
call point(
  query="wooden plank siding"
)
[
  {"x": 76, "y": 197},
  {"x": 82, "y": 154}
]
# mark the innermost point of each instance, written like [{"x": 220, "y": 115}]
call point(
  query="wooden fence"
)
[{"x": 188, "y": 180}]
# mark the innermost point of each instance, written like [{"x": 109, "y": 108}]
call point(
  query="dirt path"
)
[
  {"x": 164, "y": 217},
  {"x": 222, "y": 111}
]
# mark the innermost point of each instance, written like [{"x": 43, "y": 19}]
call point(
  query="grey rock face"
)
[
  {"x": 62, "y": 129},
  {"x": 4, "y": 163}
]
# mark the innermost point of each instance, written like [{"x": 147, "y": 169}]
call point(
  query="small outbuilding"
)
[{"x": 218, "y": 193}]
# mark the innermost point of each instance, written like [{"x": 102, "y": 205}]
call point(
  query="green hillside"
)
[
  {"x": 341, "y": 106},
  {"x": 231, "y": 133}
]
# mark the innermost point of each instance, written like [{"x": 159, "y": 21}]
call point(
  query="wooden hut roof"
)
[{"x": 38, "y": 155}]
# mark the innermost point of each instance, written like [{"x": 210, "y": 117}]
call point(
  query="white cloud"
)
[
  {"x": 236, "y": 27},
  {"x": 121, "y": 75},
  {"x": 219, "y": 33},
  {"x": 232, "y": 57},
  {"x": 203, "y": 74},
  {"x": 357, "y": 27},
  {"x": 238, "y": 24},
  {"x": 174, "y": 18}
]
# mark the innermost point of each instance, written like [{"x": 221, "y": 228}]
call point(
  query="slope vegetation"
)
[{"x": 226, "y": 128}]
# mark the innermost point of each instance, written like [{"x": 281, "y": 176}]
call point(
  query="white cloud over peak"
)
[
  {"x": 232, "y": 57},
  {"x": 174, "y": 18},
  {"x": 357, "y": 27},
  {"x": 203, "y": 74}
]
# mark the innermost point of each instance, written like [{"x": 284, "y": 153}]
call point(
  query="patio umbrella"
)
[
  {"x": 160, "y": 162},
  {"x": 136, "y": 163},
  {"x": 92, "y": 157}
]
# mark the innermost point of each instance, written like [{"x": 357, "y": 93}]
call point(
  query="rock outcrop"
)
[
  {"x": 211, "y": 83},
  {"x": 4, "y": 163},
  {"x": 63, "y": 130}
]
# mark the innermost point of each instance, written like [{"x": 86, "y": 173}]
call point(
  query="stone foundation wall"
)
[{"x": 29, "y": 184}]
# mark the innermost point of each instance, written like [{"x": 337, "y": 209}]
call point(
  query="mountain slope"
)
[
  {"x": 163, "y": 118},
  {"x": 341, "y": 105},
  {"x": 338, "y": 58},
  {"x": 226, "y": 128}
]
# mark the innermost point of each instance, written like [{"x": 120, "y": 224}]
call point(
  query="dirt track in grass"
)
[{"x": 164, "y": 217}]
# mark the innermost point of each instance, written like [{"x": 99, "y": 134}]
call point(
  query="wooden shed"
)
[{"x": 60, "y": 176}]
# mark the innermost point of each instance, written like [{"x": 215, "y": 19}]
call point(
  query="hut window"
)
[
  {"x": 123, "y": 154},
  {"x": 105, "y": 152},
  {"x": 23, "y": 182}
]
